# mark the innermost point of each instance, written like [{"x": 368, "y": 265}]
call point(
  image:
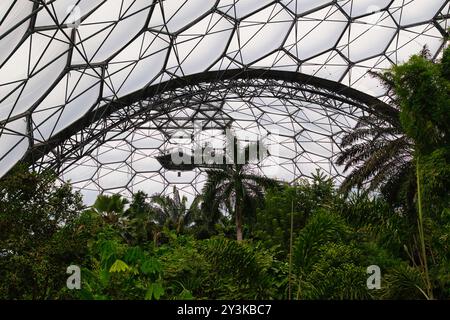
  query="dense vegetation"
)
[{"x": 310, "y": 240}]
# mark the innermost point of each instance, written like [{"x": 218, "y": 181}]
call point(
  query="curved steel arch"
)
[{"x": 160, "y": 98}]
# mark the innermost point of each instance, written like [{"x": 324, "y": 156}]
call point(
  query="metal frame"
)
[{"x": 228, "y": 77}]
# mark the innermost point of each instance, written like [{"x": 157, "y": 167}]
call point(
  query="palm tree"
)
[
  {"x": 140, "y": 222},
  {"x": 378, "y": 150},
  {"x": 233, "y": 185},
  {"x": 173, "y": 212},
  {"x": 111, "y": 208},
  {"x": 148, "y": 216},
  {"x": 379, "y": 153},
  {"x": 390, "y": 159}
]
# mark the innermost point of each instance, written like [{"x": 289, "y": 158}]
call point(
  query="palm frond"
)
[
  {"x": 264, "y": 182},
  {"x": 376, "y": 149}
]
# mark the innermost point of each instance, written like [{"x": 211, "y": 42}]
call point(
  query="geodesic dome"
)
[{"x": 97, "y": 89}]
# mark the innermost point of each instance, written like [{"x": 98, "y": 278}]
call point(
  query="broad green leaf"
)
[
  {"x": 158, "y": 290},
  {"x": 149, "y": 293},
  {"x": 119, "y": 266},
  {"x": 155, "y": 290}
]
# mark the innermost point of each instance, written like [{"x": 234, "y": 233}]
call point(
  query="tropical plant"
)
[
  {"x": 140, "y": 226},
  {"x": 378, "y": 149},
  {"x": 378, "y": 154},
  {"x": 381, "y": 148},
  {"x": 297, "y": 202},
  {"x": 423, "y": 90},
  {"x": 172, "y": 212},
  {"x": 404, "y": 282},
  {"x": 119, "y": 271},
  {"x": 244, "y": 270},
  {"x": 234, "y": 186},
  {"x": 34, "y": 250},
  {"x": 408, "y": 149},
  {"x": 110, "y": 207}
]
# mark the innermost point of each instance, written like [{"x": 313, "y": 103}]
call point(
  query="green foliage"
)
[
  {"x": 155, "y": 291},
  {"x": 331, "y": 256},
  {"x": 34, "y": 249},
  {"x": 114, "y": 204},
  {"x": 274, "y": 220},
  {"x": 404, "y": 150},
  {"x": 118, "y": 271},
  {"x": 152, "y": 249},
  {"x": 404, "y": 283},
  {"x": 119, "y": 266},
  {"x": 423, "y": 90},
  {"x": 338, "y": 273},
  {"x": 376, "y": 221},
  {"x": 321, "y": 229},
  {"x": 172, "y": 213},
  {"x": 235, "y": 188},
  {"x": 435, "y": 177},
  {"x": 381, "y": 147},
  {"x": 378, "y": 153},
  {"x": 185, "y": 269},
  {"x": 244, "y": 270}
]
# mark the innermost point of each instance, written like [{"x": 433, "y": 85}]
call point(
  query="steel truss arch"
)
[{"x": 156, "y": 101}]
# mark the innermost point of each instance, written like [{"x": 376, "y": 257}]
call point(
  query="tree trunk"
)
[{"x": 238, "y": 214}]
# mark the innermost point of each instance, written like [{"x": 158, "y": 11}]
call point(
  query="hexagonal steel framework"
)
[{"x": 97, "y": 89}]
